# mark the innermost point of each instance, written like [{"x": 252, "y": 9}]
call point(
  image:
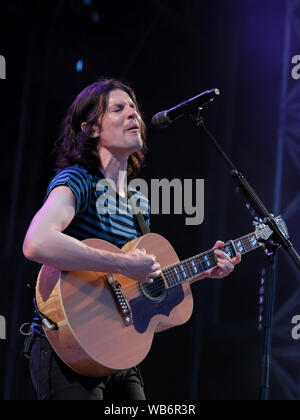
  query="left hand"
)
[{"x": 225, "y": 263}]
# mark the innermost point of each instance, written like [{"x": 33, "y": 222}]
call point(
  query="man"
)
[{"x": 103, "y": 136}]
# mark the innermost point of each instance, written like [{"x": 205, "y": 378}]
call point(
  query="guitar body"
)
[{"x": 92, "y": 337}]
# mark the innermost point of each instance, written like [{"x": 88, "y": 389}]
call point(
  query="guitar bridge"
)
[{"x": 120, "y": 299}]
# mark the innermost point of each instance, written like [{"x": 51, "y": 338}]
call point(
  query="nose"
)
[{"x": 132, "y": 113}]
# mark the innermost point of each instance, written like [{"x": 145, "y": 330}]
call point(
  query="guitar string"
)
[
  {"x": 169, "y": 277},
  {"x": 210, "y": 257},
  {"x": 174, "y": 279}
]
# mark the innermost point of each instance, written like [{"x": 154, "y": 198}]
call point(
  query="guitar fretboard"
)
[{"x": 188, "y": 269}]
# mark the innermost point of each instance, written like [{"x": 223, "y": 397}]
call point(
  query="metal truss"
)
[{"x": 285, "y": 354}]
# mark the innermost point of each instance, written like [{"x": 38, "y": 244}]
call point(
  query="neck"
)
[
  {"x": 114, "y": 167},
  {"x": 192, "y": 268}
]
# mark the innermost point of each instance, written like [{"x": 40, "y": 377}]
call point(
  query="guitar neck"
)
[{"x": 193, "y": 267}]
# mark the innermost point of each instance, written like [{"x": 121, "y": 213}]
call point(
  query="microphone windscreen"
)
[{"x": 160, "y": 120}]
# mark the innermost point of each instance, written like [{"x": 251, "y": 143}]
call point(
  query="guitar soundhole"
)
[{"x": 155, "y": 291}]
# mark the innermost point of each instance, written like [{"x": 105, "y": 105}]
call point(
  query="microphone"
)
[{"x": 164, "y": 118}]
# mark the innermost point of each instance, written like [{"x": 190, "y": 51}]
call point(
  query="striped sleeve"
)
[{"x": 78, "y": 180}]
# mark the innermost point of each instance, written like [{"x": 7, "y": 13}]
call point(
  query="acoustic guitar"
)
[{"x": 101, "y": 323}]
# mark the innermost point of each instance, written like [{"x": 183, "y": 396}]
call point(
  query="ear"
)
[{"x": 95, "y": 129}]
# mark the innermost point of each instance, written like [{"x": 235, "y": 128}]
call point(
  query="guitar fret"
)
[
  {"x": 248, "y": 245},
  {"x": 166, "y": 277},
  {"x": 192, "y": 267},
  {"x": 173, "y": 277},
  {"x": 253, "y": 241},
  {"x": 248, "y": 242},
  {"x": 243, "y": 246},
  {"x": 198, "y": 264},
  {"x": 207, "y": 262},
  {"x": 239, "y": 246},
  {"x": 169, "y": 274},
  {"x": 183, "y": 271},
  {"x": 188, "y": 269},
  {"x": 177, "y": 274},
  {"x": 227, "y": 250}
]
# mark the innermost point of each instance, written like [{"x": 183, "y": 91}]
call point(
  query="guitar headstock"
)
[{"x": 264, "y": 232}]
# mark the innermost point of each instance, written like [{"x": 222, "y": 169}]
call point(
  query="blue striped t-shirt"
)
[{"x": 100, "y": 212}]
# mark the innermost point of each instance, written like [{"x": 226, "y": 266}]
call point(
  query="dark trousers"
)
[{"x": 54, "y": 380}]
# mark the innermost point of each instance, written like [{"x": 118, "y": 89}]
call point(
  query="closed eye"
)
[{"x": 119, "y": 107}]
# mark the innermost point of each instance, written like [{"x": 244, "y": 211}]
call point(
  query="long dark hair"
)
[{"x": 77, "y": 146}]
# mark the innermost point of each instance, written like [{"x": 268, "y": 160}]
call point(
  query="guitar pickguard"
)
[{"x": 143, "y": 309}]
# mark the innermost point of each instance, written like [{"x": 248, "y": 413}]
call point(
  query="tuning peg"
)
[{"x": 257, "y": 221}]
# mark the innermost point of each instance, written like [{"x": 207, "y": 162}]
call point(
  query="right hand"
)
[{"x": 141, "y": 266}]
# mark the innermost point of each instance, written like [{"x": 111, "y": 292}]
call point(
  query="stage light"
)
[{"x": 79, "y": 66}]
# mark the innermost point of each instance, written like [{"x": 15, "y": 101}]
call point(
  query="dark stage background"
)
[{"x": 168, "y": 51}]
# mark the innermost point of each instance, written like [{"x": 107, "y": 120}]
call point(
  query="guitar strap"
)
[{"x": 139, "y": 217}]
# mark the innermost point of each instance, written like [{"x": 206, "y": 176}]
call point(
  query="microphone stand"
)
[{"x": 277, "y": 240}]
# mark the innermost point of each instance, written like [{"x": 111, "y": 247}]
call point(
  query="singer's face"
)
[{"x": 120, "y": 131}]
